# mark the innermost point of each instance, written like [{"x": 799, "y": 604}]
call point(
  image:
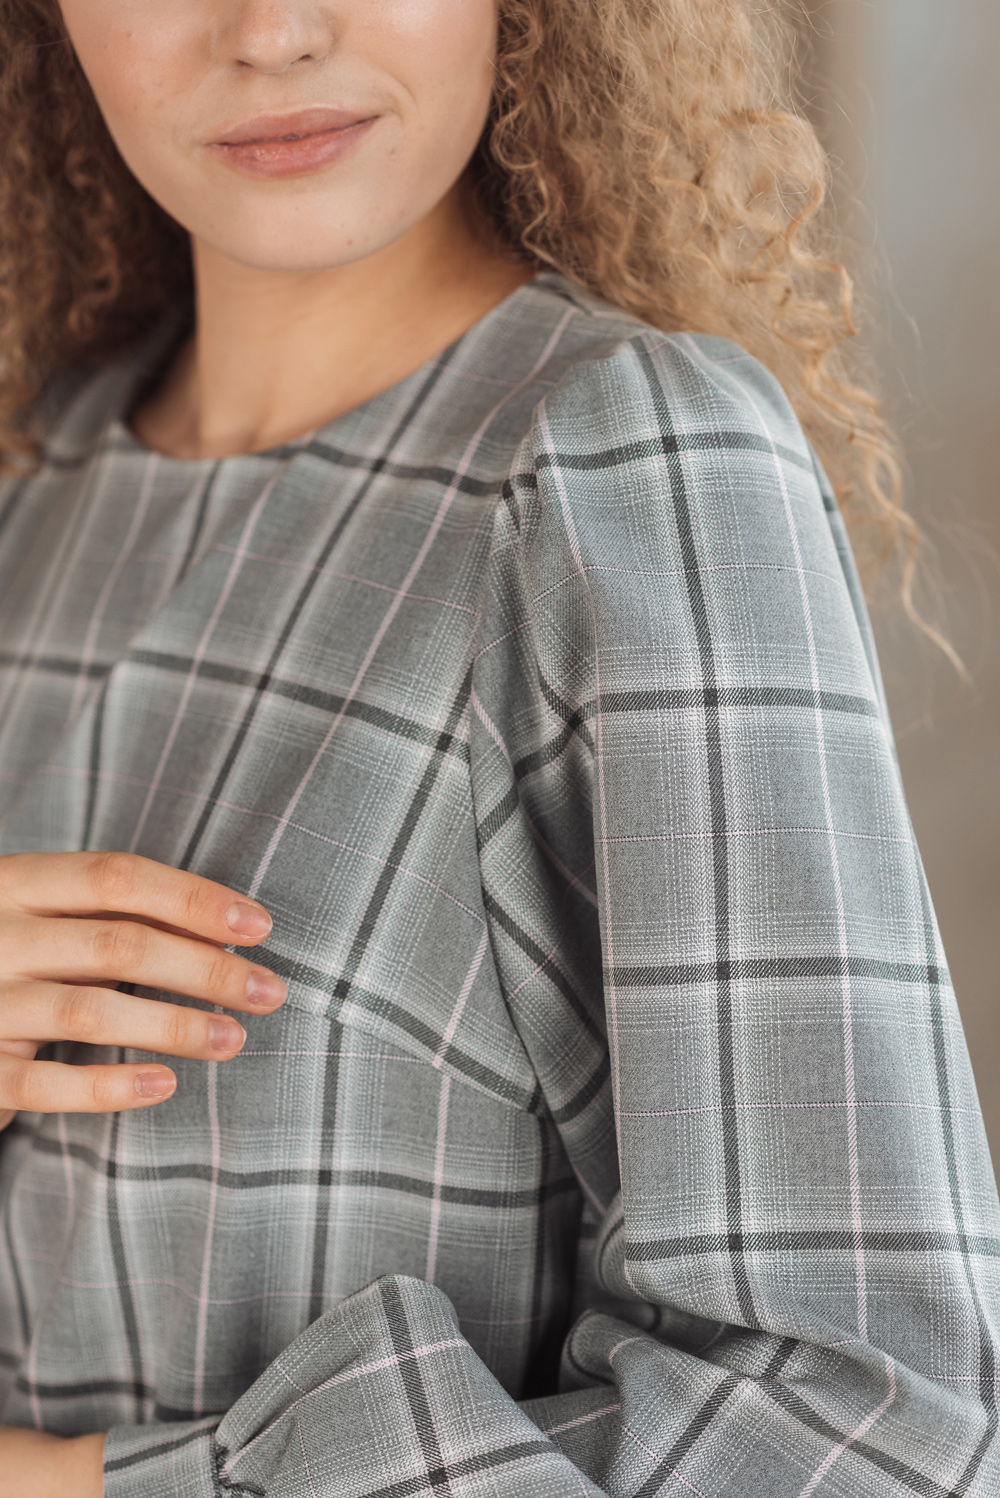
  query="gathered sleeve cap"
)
[{"x": 715, "y": 942}]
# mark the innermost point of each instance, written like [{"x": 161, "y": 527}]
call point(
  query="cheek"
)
[
  {"x": 441, "y": 53},
  {"x": 159, "y": 80},
  {"x": 137, "y": 58}
]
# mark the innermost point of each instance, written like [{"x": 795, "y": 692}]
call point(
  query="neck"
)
[{"x": 275, "y": 354}]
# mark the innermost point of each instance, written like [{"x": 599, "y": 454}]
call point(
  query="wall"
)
[{"x": 907, "y": 96}]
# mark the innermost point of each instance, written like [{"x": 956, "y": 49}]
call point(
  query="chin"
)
[
  {"x": 266, "y": 236},
  {"x": 292, "y": 258}
]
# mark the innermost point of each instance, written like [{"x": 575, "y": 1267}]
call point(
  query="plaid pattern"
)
[{"x": 618, "y": 1135}]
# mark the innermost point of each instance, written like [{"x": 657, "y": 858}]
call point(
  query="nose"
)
[{"x": 271, "y": 36}]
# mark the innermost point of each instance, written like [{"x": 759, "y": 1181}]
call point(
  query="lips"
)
[{"x": 290, "y": 145}]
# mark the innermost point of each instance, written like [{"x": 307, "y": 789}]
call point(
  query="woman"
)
[{"x": 457, "y": 592}]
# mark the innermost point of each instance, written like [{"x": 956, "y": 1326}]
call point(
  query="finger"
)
[
  {"x": 92, "y": 883},
  {"x": 100, "y": 1016},
  {"x": 51, "y": 1087},
  {"x": 25, "y": 1049},
  {"x": 94, "y": 951}
]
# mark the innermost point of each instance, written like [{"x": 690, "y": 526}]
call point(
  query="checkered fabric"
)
[{"x": 618, "y": 1136}]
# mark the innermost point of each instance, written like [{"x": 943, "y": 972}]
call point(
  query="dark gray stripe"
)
[
  {"x": 764, "y": 969},
  {"x": 323, "y": 1177},
  {"x": 545, "y": 962},
  {"x": 411, "y": 1376},
  {"x": 380, "y": 1007},
  {"x": 671, "y": 443},
  {"x": 813, "y": 1240},
  {"x": 154, "y": 1453},
  {"x": 804, "y": 1414},
  {"x": 700, "y": 1422},
  {"x": 331, "y": 703},
  {"x": 702, "y": 623},
  {"x": 483, "y": 1461}
]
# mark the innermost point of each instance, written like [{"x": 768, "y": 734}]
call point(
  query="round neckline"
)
[{"x": 163, "y": 344}]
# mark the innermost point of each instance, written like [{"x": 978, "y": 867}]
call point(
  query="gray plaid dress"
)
[{"x": 618, "y": 1136}]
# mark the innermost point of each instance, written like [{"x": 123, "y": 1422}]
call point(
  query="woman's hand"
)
[
  {"x": 72, "y": 925},
  {"x": 36, "y": 1465}
]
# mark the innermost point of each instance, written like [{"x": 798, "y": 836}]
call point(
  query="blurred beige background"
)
[{"x": 907, "y": 96}]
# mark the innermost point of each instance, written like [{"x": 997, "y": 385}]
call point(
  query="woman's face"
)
[{"x": 291, "y": 135}]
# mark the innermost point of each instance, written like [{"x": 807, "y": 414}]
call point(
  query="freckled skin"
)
[
  {"x": 314, "y": 291},
  {"x": 170, "y": 76}
]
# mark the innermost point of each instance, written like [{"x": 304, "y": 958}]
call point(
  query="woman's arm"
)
[
  {"x": 794, "y": 1292},
  {"x": 805, "y": 1243}
]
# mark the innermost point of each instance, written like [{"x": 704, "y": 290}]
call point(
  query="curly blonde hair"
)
[{"x": 647, "y": 149}]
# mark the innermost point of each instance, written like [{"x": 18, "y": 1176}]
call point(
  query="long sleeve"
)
[{"x": 717, "y": 948}]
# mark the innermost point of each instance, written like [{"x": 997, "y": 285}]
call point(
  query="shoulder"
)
[
  {"x": 667, "y": 493},
  {"x": 628, "y": 392},
  {"x": 610, "y": 364},
  {"x": 645, "y": 431}
]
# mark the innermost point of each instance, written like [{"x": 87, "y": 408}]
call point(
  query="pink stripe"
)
[
  {"x": 507, "y": 635},
  {"x": 574, "y": 881},
  {"x": 590, "y": 1193},
  {"x": 625, "y": 1342},
  {"x": 490, "y": 727},
  {"x": 199, "y": 654},
  {"x": 80, "y": 772},
  {"x": 46, "y": 597},
  {"x": 847, "y": 1024},
  {"x": 115, "y": 572},
  {"x": 305, "y": 1459},
  {"x": 198, "y": 1403},
  {"x": 653, "y": 1456},
  {"x": 344, "y": 1056},
  {"x": 855, "y": 1435},
  {"x": 538, "y": 968},
  {"x": 135, "y": 1281},
  {"x": 741, "y": 567},
  {"x": 418, "y": 561},
  {"x": 570, "y": 577},
  {"x": 502, "y": 1320},
  {"x": 383, "y": 1363},
  {"x": 554, "y": 1430},
  {"x": 780, "y": 1108},
  {"x": 719, "y": 1332},
  {"x": 446, "y": 1038},
  {"x": 439, "y": 1156},
  {"x": 611, "y": 992},
  {"x": 288, "y": 1378},
  {"x": 36, "y": 1406},
  {"x": 667, "y": 837},
  {"x": 385, "y": 863},
  {"x": 479, "y": 379},
  {"x": 350, "y": 577},
  {"x": 553, "y": 858}
]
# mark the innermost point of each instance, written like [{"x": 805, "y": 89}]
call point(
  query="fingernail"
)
[
  {"x": 226, "y": 1035},
  {"x": 154, "y": 1084},
  {"x": 248, "y": 920},
  {"x": 264, "y": 990}
]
